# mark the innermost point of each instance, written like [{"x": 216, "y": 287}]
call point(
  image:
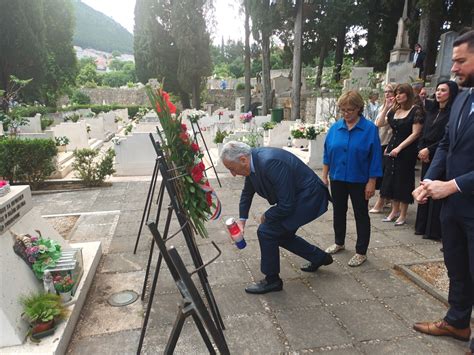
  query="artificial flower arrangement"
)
[
  {"x": 246, "y": 117},
  {"x": 193, "y": 115},
  {"x": 185, "y": 157},
  {"x": 63, "y": 283},
  {"x": 38, "y": 252},
  {"x": 4, "y": 187},
  {"x": 308, "y": 131}
]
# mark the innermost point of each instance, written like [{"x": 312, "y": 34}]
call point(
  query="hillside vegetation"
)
[{"x": 96, "y": 30}]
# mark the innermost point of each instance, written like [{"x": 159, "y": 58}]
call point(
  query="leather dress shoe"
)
[
  {"x": 264, "y": 286},
  {"x": 442, "y": 328},
  {"x": 311, "y": 267}
]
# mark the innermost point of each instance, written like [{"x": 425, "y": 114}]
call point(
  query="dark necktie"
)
[{"x": 467, "y": 109}]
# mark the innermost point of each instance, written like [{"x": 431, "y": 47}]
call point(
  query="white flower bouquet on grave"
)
[
  {"x": 4, "y": 187},
  {"x": 193, "y": 115}
]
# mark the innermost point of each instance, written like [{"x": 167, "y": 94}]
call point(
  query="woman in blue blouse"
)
[{"x": 353, "y": 160}]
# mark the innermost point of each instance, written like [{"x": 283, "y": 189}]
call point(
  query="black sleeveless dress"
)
[{"x": 399, "y": 173}]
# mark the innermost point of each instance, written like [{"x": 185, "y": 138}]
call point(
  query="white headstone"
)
[
  {"x": 33, "y": 125},
  {"x": 16, "y": 278},
  {"x": 135, "y": 155},
  {"x": 76, "y": 132}
]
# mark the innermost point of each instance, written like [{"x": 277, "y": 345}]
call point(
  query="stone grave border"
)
[{"x": 420, "y": 281}]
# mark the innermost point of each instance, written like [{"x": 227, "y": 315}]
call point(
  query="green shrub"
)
[
  {"x": 220, "y": 135},
  {"x": 298, "y": 133},
  {"x": 91, "y": 171},
  {"x": 31, "y": 111},
  {"x": 268, "y": 125},
  {"x": 311, "y": 133},
  {"x": 46, "y": 122},
  {"x": 30, "y": 160},
  {"x": 240, "y": 86},
  {"x": 78, "y": 97}
]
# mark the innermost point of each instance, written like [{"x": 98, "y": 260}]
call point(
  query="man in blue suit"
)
[
  {"x": 451, "y": 177},
  {"x": 297, "y": 197}
]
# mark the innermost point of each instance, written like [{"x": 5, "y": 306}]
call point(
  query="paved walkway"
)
[{"x": 337, "y": 310}]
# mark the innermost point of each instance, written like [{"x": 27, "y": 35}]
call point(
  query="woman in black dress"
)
[
  {"x": 406, "y": 120},
  {"x": 427, "y": 216}
]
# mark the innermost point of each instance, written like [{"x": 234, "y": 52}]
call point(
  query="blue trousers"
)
[
  {"x": 273, "y": 235},
  {"x": 458, "y": 246}
]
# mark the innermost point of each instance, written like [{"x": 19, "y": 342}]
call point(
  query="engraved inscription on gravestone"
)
[{"x": 11, "y": 212}]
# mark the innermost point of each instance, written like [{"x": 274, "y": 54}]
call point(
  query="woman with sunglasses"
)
[{"x": 353, "y": 160}]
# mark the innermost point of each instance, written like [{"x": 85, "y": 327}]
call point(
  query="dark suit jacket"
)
[
  {"x": 455, "y": 158},
  {"x": 297, "y": 194},
  {"x": 420, "y": 60}
]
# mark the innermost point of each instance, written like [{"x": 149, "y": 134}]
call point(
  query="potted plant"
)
[
  {"x": 299, "y": 137},
  {"x": 42, "y": 311},
  {"x": 246, "y": 118},
  {"x": 63, "y": 285},
  {"x": 61, "y": 143},
  {"x": 219, "y": 139}
]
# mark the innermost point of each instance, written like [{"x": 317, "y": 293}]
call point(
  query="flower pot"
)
[
  {"x": 61, "y": 148},
  {"x": 65, "y": 296},
  {"x": 219, "y": 148},
  {"x": 299, "y": 142},
  {"x": 42, "y": 327}
]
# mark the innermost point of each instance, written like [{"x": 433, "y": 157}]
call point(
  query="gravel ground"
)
[
  {"x": 435, "y": 273},
  {"x": 63, "y": 225}
]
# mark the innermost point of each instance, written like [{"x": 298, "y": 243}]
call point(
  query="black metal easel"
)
[
  {"x": 196, "y": 132},
  {"x": 188, "y": 308}
]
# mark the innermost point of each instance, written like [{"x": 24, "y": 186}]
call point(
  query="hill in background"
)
[{"x": 96, "y": 30}]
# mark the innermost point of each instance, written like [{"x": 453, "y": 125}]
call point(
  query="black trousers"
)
[
  {"x": 341, "y": 191},
  {"x": 458, "y": 249},
  {"x": 272, "y": 236}
]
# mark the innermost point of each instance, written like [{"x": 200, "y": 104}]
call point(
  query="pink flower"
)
[
  {"x": 3, "y": 183},
  {"x": 34, "y": 238}
]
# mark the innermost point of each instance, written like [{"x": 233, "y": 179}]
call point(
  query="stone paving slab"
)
[{"x": 337, "y": 310}]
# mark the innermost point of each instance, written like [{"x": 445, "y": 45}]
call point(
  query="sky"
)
[{"x": 228, "y": 22}]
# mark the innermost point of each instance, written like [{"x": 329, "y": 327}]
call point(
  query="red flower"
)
[
  {"x": 184, "y": 128},
  {"x": 184, "y": 137},
  {"x": 195, "y": 147},
  {"x": 209, "y": 199},
  {"x": 197, "y": 175},
  {"x": 166, "y": 98},
  {"x": 201, "y": 166}
]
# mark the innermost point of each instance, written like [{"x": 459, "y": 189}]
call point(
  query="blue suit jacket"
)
[
  {"x": 454, "y": 159},
  {"x": 297, "y": 194}
]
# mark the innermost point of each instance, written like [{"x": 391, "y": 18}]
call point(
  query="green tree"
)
[
  {"x": 156, "y": 53},
  {"x": 193, "y": 43},
  {"x": 262, "y": 15},
  {"x": 87, "y": 74},
  {"x": 23, "y": 51},
  {"x": 61, "y": 59}
]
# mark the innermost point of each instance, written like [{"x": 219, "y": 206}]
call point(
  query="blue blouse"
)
[{"x": 355, "y": 155}]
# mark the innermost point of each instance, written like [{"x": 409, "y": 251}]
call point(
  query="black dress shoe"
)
[
  {"x": 311, "y": 267},
  {"x": 431, "y": 238},
  {"x": 264, "y": 286}
]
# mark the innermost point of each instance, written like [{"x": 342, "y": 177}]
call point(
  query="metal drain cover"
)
[{"x": 122, "y": 298}]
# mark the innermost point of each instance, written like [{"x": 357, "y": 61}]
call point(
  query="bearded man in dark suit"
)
[{"x": 451, "y": 177}]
